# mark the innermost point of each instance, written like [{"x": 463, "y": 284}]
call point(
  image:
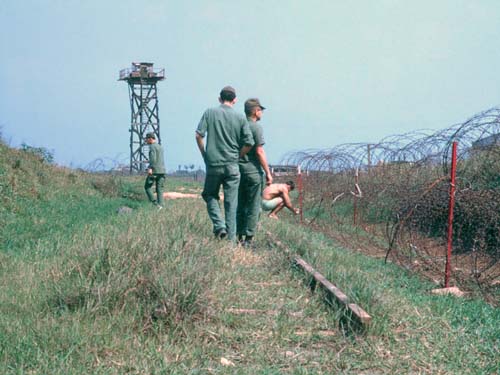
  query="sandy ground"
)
[{"x": 176, "y": 195}]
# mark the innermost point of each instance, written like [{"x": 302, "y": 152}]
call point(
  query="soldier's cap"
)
[
  {"x": 251, "y": 103},
  {"x": 150, "y": 135},
  {"x": 228, "y": 89}
]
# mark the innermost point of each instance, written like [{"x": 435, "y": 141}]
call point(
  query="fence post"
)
[
  {"x": 355, "y": 202},
  {"x": 301, "y": 193},
  {"x": 450, "y": 213}
]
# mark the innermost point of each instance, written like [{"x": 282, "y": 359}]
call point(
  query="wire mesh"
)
[{"x": 398, "y": 189}]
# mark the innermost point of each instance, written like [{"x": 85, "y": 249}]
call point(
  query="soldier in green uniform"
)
[
  {"x": 156, "y": 171},
  {"x": 228, "y": 139},
  {"x": 252, "y": 167}
]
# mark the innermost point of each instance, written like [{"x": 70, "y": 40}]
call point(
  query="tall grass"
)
[{"x": 141, "y": 274}]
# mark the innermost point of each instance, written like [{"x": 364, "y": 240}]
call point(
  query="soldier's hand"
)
[
  {"x": 297, "y": 211},
  {"x": 269, "y": 180},
  {"x": 150, "y": 171}
]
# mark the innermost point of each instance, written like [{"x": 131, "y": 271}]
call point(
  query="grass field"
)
[{"x": 86, "y": 290}]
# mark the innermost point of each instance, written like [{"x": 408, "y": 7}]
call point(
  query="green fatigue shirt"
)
[
  {"x": 156, "y": 162},
  {"x": 250, "y": 162},
  {"x": 227, "y": 132}
]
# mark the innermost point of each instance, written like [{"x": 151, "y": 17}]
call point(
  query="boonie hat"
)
[{"x": 251, "y": 103}]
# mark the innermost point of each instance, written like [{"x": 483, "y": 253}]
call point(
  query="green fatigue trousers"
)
[
  {"x": 249, "y": 199},
  {"x": 158, "y": 180},
  {"x": 229, "y": 177}
]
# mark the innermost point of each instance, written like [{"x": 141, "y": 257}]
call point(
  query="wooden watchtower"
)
[{"x": 142, "y": 79}]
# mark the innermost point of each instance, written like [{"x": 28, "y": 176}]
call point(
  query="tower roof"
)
[{"x": 142, "y": 71}]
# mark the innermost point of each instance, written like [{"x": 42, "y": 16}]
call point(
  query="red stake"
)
[
  {"x": 450, "y": 213},
  {"x": 301, "y": 193},
  {"x": 355, "y": 202}
]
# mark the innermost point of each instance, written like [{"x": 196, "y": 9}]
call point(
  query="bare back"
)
[{"x": 274, "y": 191}]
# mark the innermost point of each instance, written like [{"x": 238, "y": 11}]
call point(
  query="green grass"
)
[
  {"x": 433, "y": 329},
  {"x": 36, "y": 226},
  {"x": 88, "y": 290}
]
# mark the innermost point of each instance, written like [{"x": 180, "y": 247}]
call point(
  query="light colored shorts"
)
[{"x": 271, "y": 204}]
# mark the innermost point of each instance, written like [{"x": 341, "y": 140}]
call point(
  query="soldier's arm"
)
[
  {"x": 152, "y": 160},
  {"x": 261, "y": 155},
  {"x": 247, "y": 138},
  {"x": 201, "y": 144},
  {"x": 244, "y": 150},
  {"x": 201, "y": 131}
]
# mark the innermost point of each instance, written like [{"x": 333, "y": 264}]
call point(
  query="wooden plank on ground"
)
[
  {"x": 341, "y": 297},
  {"x": 361, "y": 314}
]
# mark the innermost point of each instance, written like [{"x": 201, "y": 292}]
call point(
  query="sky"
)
[{"x": 328, "y": 71}]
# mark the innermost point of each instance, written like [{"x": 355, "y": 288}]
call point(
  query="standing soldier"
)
[
  {"x": 252, "y": 167},
  {"x": 229, "y": 138},
  {"x": 156, "y": 171}
]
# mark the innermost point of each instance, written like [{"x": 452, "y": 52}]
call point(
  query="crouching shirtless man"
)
[{"x": 275, "y": 197}]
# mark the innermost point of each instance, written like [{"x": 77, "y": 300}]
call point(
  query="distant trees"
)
[{"x": 186, "y": 168}]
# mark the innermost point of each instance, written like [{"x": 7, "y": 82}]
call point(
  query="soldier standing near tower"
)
[
  {"x": 228, "y": 139},
  {"x": 252, "y": 167},
  {"x": 156, "y": 171}
]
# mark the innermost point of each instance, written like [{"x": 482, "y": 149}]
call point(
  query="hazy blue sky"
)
[{"x": 329, "y": 71}]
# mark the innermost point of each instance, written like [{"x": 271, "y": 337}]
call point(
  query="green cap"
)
[{"x": 251, "y": 103}]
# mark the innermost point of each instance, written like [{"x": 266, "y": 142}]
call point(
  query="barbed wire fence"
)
[
  {"x": 116, "y": 165},
  {"x": 398, "y": 190}
]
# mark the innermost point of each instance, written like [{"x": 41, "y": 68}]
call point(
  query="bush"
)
[{"x": 44, "y": 154}]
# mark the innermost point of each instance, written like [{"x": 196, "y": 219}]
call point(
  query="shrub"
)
[{"x": 44, "y": 154}]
